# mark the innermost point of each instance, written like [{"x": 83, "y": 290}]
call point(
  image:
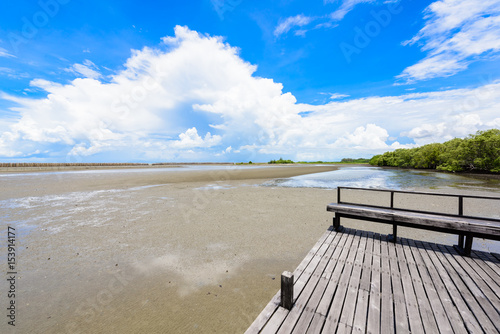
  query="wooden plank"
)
[
  {"x": 301, "y": 304},
  {"x": 444, "y": 288},
  {"x": 326, "y": 299},
  {"x": 400, "y": 312},
  {"x": 347, "y": 315},
  {"x": 489, "y": 262},
  {"x": 335, "y": 309},
  {"x": 387, "y": 300},
  {"x": 265, "y": 315},
  {"x": 361, "y": 315},
  {"x": 414, "y": 317},
  {"x": 275, "y": 322},
  {"x": 491, "y": 276},
  {"x": 306, "y": 317},
  {"x": 364, "y": 283},
  {"x": 331, "y": 289},
  {"x": 469, "y": 290},
  {"x": 355, "y": 282},
  {"x": 452, "y": 223},
  {"x": 430, "y": 295},
  {"x": 461, "y": 298},
  {"x": 316, "y": 324},
  {"x": 300, "y": 283},
  {"x": 416, "y": 277},
  {"x": 497, "y": 256},
  {"x": 273, "y": 305},
  {"x": 373, "y": 323},
  {"x": 484, "y": 296}
]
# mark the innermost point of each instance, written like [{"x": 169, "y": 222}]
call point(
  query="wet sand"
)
[{"x": 157, "y": 252}]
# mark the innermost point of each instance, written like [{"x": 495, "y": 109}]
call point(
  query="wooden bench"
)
[{"x": 466, "y": 227}]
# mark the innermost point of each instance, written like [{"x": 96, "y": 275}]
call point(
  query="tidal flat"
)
[{"x": 177, "y": 251}]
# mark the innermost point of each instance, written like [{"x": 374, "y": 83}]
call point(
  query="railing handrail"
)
[{"x": 391, "y": 206}]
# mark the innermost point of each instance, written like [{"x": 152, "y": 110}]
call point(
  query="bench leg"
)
[
  {"x": 468, "y": 245},
  {"x": 336, "y": 223},
  {"x": 394, "y": 236},
  {"x": 461, "y": 240},
  {"x": 464, "y": 249}
]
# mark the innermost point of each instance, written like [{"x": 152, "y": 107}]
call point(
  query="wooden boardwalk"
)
[{"x": 357, "y": 282}]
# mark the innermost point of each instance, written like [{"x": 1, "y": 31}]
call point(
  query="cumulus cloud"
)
[
  {"x": 371, "y": 137},
  {"x": 456, "y": 33},
  {"x": 191, "y": 139},
  {"x": 194, "y": 98}
]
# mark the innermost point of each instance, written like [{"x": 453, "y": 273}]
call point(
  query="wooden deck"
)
[{"x": 356, "y": 281}]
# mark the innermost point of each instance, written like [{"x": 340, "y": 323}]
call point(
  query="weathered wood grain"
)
[{"x": 357, "y": 282}]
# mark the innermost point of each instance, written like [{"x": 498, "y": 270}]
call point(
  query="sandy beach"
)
[{"x": 177, "y": 252}]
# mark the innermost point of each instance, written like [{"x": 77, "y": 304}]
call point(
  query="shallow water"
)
[{"x": 374, "y": 177}]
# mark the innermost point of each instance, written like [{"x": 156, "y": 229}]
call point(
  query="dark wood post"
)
[
  {"x": 461, "y": 240},
  {"x": 460, "y": 205},
  {"x": 286, "y": 290},
  {"x": 336, "y": 222},
  {"x": 468, "y": 244},
  {"x": 394, "y": 236}
]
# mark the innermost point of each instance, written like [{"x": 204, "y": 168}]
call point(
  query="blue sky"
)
[{"x": 240, "y": 80}]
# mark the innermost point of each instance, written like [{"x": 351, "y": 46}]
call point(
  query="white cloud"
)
[
  {"x": 337, "y": 96},
  {"x": 371, "y": 137},
  {"x": 193, "y": 97},
  {"x": 456, "y": 33},
  {"x": 191, "y": 139},
  {"x": 294, "y": 21},
  {"x": 5, "y": 53},
  {"x": 345, "y": 7},
  {"x": 88, "y": 70}
]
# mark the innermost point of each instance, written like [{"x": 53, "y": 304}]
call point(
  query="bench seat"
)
[{"x": 463, "y": 226}]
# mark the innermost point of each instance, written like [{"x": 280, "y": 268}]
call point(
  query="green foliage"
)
[
  {"x": 479, "y": 152},
  {"x": 355, "y": 161},
  {"x": 280, "y": 161}
]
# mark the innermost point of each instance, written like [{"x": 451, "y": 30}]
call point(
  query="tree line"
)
[{"x": 478, "y": 153}]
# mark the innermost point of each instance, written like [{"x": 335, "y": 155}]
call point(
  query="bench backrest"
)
[{"x": 470, "y": 206}]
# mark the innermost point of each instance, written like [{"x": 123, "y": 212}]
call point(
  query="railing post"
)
[
  {"x": 392, "y": 199},
  {"x": 460, "y": 205},
  {"x": 286, "y": 290},
  {"x": 338, "y": 195}
]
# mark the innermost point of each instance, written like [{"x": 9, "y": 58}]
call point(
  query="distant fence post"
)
[{"x": 286, "y": 290}]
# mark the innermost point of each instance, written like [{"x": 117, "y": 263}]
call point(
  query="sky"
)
[{"x": 241, "y": 80}]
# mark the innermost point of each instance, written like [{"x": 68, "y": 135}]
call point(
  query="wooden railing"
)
[
  {"x": 460, "y": 198},
  {"x": 466, "y": 226}
]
